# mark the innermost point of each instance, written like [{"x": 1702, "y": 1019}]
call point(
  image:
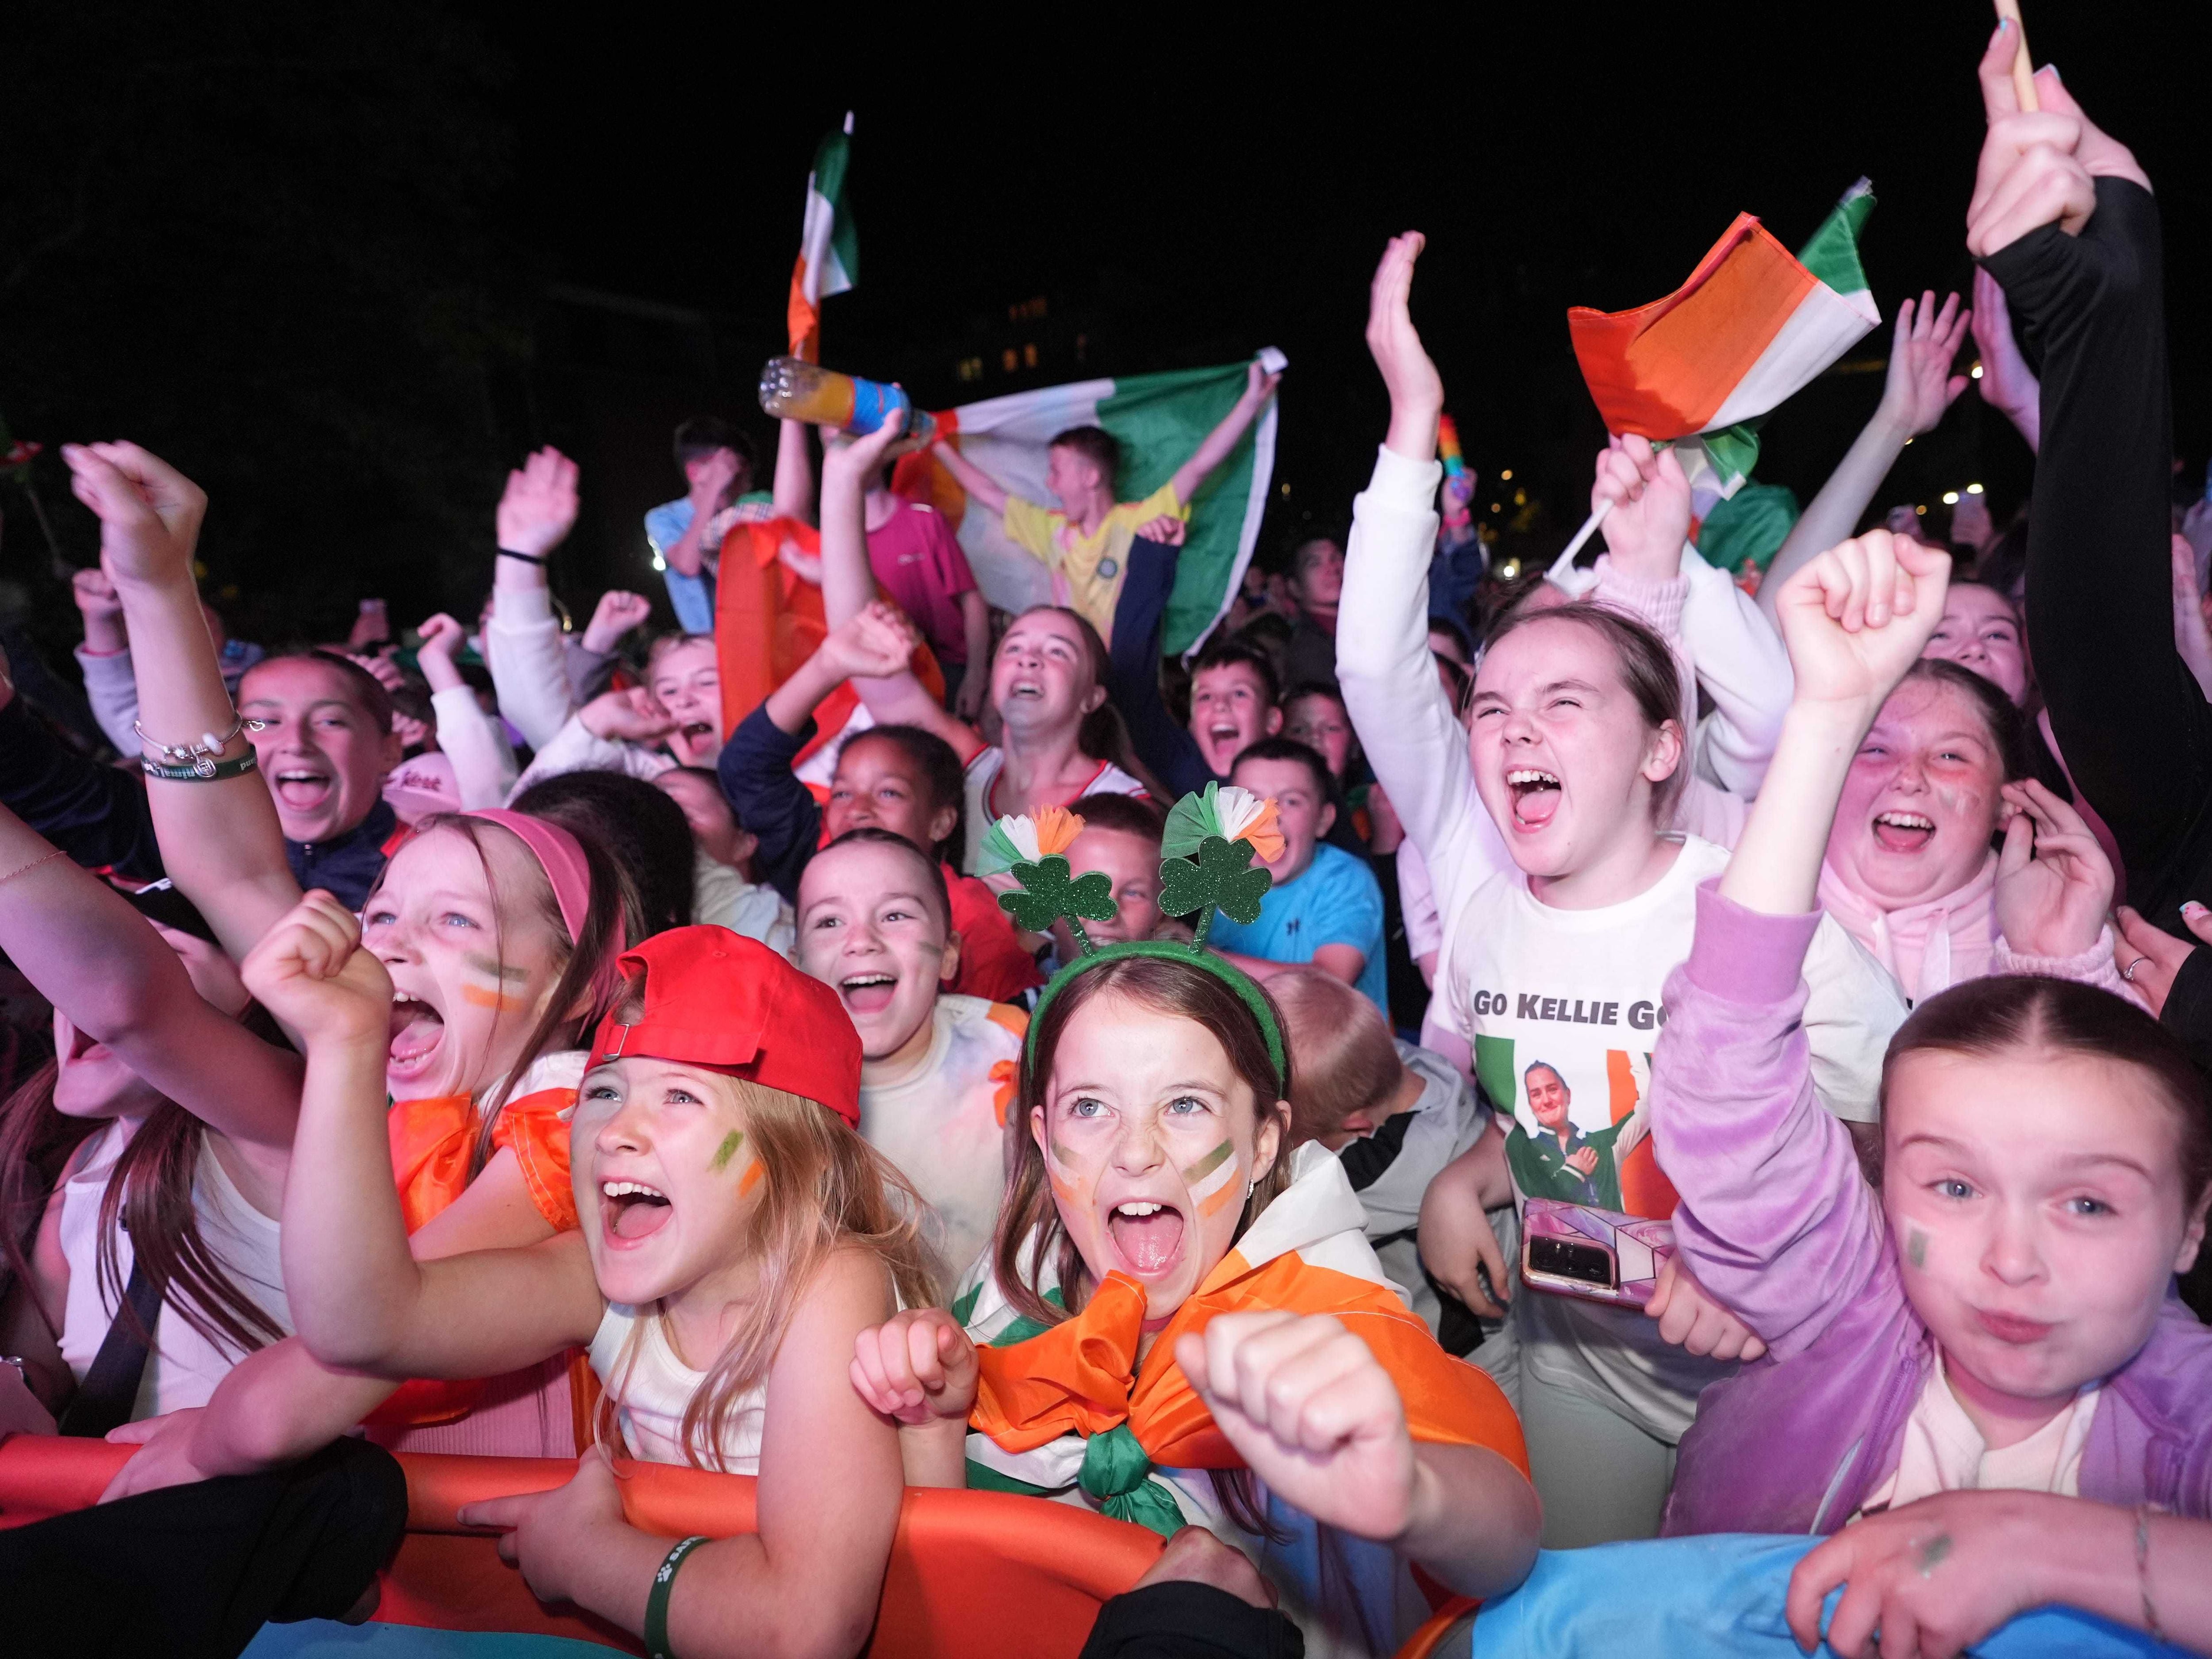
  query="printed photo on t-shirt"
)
[{"x": 1577, "y": 1115}]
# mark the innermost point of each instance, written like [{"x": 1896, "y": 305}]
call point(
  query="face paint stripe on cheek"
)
[
  {"x": 727, "y": 1150},
  {"x": 1916, "y": 1248},
  {"x": 478, "y": 997},
  {"x": 493, "y": 968},
  {"x": 751, "y": 1179},
  {"x": 1214, "y": 1203}
]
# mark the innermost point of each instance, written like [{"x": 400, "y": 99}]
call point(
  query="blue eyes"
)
[
  {"x": 1954, "y": 1189},
  {"x": 1085, "y": 1108}
]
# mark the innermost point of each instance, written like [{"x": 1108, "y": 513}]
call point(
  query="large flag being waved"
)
[
  {"x": 1750, "y": 328},
  {"x": 1160, "y": 419},
  {"x": 828, "y": 246}
]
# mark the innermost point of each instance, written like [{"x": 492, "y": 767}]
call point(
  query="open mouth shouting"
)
[
  {"x": 1147, "y": 1236},
  {"x": 300, "y": 787},
  {"x": 870, "y": 992},
  {"x": 1536, "y": 796},
  {"x": 630, "y": 1212},
  {"x": 1903, "y": 832},
  {"x": 417, "y": 1030}
]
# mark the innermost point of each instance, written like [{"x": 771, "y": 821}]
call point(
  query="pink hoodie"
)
[{"x": 1949, "y": 940}]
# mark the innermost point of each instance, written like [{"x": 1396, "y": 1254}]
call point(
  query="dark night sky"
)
[{"x": 1182, "y": 207}]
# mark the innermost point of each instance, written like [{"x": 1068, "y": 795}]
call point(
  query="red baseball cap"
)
[{"x": 719, "y": 1000}]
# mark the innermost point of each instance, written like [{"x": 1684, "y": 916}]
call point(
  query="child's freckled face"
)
[
  {"x": 664, "y": 1176},
  {"x": 470, "y": 972},
  {"x": 1152, "y": 1142}
]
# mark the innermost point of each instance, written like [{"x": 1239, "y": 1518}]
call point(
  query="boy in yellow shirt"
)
[{"x": 1085, "y": 544}]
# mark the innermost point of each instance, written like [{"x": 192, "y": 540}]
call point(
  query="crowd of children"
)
[{"x": 1631, "y": 1101}]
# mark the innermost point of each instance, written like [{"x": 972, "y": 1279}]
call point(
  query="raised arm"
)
[
  {"x": 522, "y": 639},
  {"x": 1406, "y": 722},
  {"x": 220, "y": 839},
  {"x": 795, "y": 473},
  {"x": 1215, "y": 448},
  {"x": 1775, "y": 1218},
  {"x": 358, "y": 1296},
  {"x": 1133, "y": 679},
  {"x": 849, "y": 585},
  {"x": 981, "y": 486},
  {"x": 1917, "y": 389},
  {"x": 2008, "y": 385},
  {"x": 484, "y": 766},
  {"x": 95, "y": 958},
  {"x": 2063, "y": 217}
]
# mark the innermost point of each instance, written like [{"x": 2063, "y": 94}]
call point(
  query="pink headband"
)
[{"x": 562, "y": 858}]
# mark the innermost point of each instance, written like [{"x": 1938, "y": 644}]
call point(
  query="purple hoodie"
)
[{"x": 1777, "y": 1222}]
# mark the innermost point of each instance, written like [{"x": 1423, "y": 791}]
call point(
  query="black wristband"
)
[{"x": 527, "y": 558}]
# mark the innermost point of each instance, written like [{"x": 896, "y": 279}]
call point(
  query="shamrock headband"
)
[{"x": 1210, "y": 841}]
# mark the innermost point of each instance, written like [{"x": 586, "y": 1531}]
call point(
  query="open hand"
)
[
  {"x": 1416, "y": 390},
  {"x": 2054, "y": 882},
  {"x": 1858, "y": 616},
  {"x": 2008, "y": 384},
  {"x": 539, "y": 507},
  {"x": 150, "y": 513},
  {"x": 846, "y": 457},
  {"x": 631, "y": 716},
  {"x": 1647, "y": 501},
  {"x": 1312, "y": 1413},
  {"x": 164, "y": 1457},
  {"x": 310, "y": 971},
  {"x": 1692, "y": 1320},
  {"x": 615, "y": 615},
  {"x": 1920, "y": 386},
  {"x": 548, "y": 1533},
  {"x": 916, "y": 1367}
]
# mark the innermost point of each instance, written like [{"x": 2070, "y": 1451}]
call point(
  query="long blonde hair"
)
[{"x": 823, "y": 1189}]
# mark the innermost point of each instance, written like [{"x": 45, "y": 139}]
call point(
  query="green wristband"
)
[
  {"x": 656, "y": 1603},
  {"x": 205, "y": 769}
]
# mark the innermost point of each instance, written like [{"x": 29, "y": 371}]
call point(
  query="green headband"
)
[{"x": 1209, "y": 847}]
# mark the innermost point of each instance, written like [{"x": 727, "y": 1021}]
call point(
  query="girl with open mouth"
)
[
  {"x": 1174, "y": 1305},
  {"x": 736, "y": 1237},
  {"x": 1911, "y": 870}
]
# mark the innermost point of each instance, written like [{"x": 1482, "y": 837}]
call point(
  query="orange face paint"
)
[
  {"x": 478, "y": 996},
  {"x": 751, "y": 1179}
]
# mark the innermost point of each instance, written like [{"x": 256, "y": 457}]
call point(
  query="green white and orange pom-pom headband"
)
[{"x": 1207, "y": 854}]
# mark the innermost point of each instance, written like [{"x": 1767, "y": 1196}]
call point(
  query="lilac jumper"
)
[{"x": 1776, "y": 1221}]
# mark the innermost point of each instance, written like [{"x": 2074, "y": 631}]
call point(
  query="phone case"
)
[{"x": 1600, "y": 1256}]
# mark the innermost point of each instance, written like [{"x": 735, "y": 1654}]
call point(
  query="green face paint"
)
[
  {"x": 1194, "y": 1173},
  {"x": 727, "y": 1150},
  {"x": 1916, "y": 1248},
  {"x": 1061, "y": 1156},
  {"x": 1932, "y": 1553},
  {"x": 493, "y": 968}
]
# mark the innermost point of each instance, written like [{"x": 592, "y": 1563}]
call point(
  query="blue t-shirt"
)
[
  {"x": 1336, "y": 900},
  {"x": 691, "y": 597}
]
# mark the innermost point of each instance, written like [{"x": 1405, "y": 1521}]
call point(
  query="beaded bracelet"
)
[
  {"x": 204, "y": 769},
  {"x": 25, "y": 870},
  {"x": 207, "y": 748},
  {"x": 656, "y": 1602}
]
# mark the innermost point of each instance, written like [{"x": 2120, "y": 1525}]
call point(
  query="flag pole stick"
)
[
  {"x": 2023, "y": 68},
  {"x": 1582, "y": 536}
]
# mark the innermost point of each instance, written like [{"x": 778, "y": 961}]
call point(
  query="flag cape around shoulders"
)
[
  {"x": 768, "y": 620},
  {"x": 829, "y": 246},
  {"x": 1159, "y": 420},
  {"x": 1750, "y": 328},
  {"x": 1043, "y": 1396}
]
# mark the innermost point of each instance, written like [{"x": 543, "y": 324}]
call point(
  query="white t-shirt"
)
[
  {"x": 722, "y": 897},
  {"x": 182, "y": 1367},
  {"x": 983, "y": 812},
  {"x": 652, "y": 1388},
  {"x": 942, "y": 1126},
  {"x": 1943, "y": 1451},
  {"x": 1578, "y": 993}
]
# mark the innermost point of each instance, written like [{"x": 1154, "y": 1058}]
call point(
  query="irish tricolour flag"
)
[
  {"x": 1159, "y": 420},
  {"x": 1751, "y": 326},
  {"x": 828, "y": 246}
]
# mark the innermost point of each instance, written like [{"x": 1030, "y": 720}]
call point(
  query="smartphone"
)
[{"x": 1601, "y": 1255}]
